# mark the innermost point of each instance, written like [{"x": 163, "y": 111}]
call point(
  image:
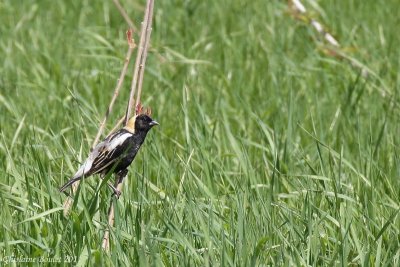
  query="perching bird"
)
[{"x": 116, "y": 152}]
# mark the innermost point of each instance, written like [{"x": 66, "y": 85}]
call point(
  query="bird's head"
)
[{"x": 143, "y": 122}]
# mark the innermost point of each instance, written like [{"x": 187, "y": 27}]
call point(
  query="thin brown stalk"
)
[
  {"x": 131, "y": 44},
  {"x": 299, "y": 7},
  {"x": 138, "y": 62},
  {"x": 334, "y": 48},
  {"x": 138, "y": 73},
  {"x": 124, "y": 15},
  {"x": 118, "y": 87},
  {"x": 144, "y": 56},
  {"x": 117, "y": 125},
  {"x": 106, "y": 238}
]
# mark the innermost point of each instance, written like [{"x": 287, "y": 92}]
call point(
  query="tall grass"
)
[{"x": 270, "y": 152}]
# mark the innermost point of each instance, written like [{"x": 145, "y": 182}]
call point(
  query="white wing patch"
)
[
  {"x": 98, "y": 150},
  {"x": 85, "y": 168},
  {"x": 118, "y": 141}
]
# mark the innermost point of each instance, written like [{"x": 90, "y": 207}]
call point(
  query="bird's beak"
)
[{"x": 152, "y": 123}]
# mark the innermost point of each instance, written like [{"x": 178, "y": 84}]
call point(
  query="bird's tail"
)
[{"x": 70, "y": 182}]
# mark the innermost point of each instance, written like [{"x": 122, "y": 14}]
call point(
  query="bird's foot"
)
[
  {"x": 117, "y": 193},
  {"x": 121, "y": 175}
]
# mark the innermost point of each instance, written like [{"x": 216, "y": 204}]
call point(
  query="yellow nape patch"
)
[{"x": 130, "y": 126}]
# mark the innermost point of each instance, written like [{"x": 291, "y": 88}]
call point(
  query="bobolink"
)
[{"x": 116, "y": 152}]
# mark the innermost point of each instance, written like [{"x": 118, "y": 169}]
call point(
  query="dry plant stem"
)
[
  {"x": 106, "y": 238},
  {"x": 138, "y": 61},
  {"x": 335, "y": 47},
  {"x": 118, "y": 87},
  {"x": 146, "y": 47},
  {"x": 317, "y": 26},
  {"x": 299, "y": 8},
  {"x": 134, "y": 80},
  {"x": 138, "y": 72},
  {"x": 120, "y": 121},
  {"x": 124, "y": 15},
  {"x": 131, "y": 44}
]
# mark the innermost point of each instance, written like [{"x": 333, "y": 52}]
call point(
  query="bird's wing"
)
[{"x": 103, "y": 155}]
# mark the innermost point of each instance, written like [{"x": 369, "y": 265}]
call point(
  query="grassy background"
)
[{"x": 269, "y": 152}]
